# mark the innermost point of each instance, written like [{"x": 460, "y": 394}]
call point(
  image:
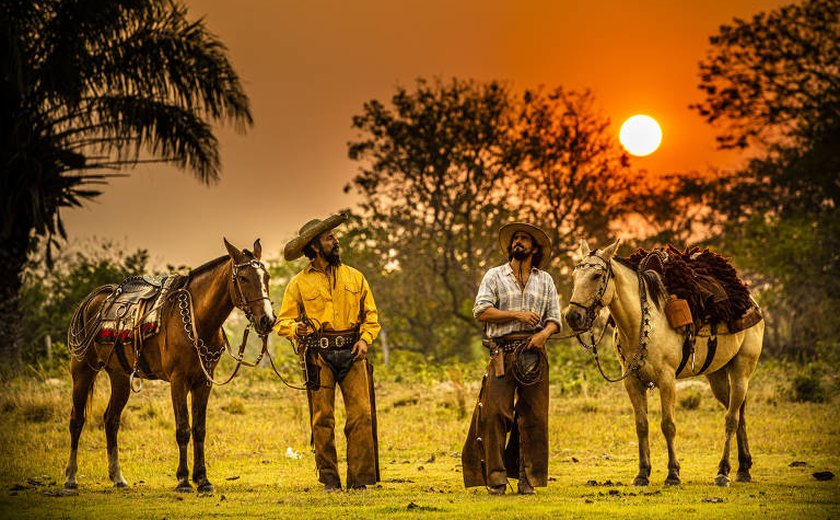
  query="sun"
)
[{"x": 640, "y": 135}]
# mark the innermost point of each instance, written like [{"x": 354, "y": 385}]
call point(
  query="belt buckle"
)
[
  {"x": 339, "y": 341},
  {"x": 324, "y": 342}
]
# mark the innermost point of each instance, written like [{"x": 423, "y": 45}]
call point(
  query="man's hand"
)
[
  {"x": 360, "y": 350},
  {"x": 528, "y": 318},
  {"x": 538, "y": 340},
  {"x": 302, "y": 329}
]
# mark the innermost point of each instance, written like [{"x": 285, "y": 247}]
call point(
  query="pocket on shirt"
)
[
  {"x": 353, "y": 297},
  {"x": 313, "y": 301}
]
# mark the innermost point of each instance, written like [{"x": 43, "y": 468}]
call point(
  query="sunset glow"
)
[{"x": 640, "y": 135}]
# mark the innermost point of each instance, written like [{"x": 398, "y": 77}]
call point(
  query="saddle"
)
[
  {"x": 134, "y": 308},
  {"x": 706, "y": 281}
]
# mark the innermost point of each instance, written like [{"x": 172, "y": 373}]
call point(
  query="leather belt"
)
[
  {"x": 332, "y": 341},
  {"x": 510, "y": 342}
]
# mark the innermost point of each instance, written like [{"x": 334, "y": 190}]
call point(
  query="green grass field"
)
[{"x": 423, "y": 416}]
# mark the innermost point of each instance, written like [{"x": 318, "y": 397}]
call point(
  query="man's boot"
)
[
  {"x": 525, "y": 487},
  {"x": 497, "y": 490}
]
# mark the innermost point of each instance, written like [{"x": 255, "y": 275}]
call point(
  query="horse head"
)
[
  {"x": 594, "y": 286},
  {"x": 249, "y": 286}
]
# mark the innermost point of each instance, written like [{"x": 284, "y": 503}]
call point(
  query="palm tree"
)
[{"x": 90, "y": 87}]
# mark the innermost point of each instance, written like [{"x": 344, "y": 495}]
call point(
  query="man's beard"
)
[
  {"x": 520, "y": 254},
  {"x": 333, "y": 258}
]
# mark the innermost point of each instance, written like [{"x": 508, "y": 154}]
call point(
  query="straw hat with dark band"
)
[
  {"x": 310, "y": 230},
  {"x": 541, "y": 237}
]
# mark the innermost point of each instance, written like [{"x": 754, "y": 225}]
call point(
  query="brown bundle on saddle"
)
[{"x": 705, "y": 280}]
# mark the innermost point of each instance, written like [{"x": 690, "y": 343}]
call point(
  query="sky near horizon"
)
[{"x": 309, "y": 66}]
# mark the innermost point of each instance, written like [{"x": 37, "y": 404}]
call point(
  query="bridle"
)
[
  {"x": 638, "y": 360},
  {"x": 596, "y": 305},
  {"x": 208, "y": 357},
  {"x": 238, "y": 296}
]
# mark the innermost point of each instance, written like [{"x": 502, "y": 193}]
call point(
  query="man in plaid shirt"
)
[{"x": 519, "y": 306}]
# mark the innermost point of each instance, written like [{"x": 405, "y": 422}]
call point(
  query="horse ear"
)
[
  {"x": 610, "y": 250},
  {"x": 257, "y": 249},
  {"x": 234, "y": 253},
  {"x": 584, "y": 248}
]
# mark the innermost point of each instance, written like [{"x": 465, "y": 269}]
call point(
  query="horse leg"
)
[
  {"x": 667, "y": 397},
  {"x": 179, "y": 389},
  {"x": 120, "y": 390},
  {"x": 744, "y": 456},
  {"x": 638, "y": 398},
  {"x": 200, "y": 394},
  {"x": 738, "y": 384},
  {"x": 83, "y": 378}
]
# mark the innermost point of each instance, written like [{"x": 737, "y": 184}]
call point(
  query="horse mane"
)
[{"x": 653, "y": 280}]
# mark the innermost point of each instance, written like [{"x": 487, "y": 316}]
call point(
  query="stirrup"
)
[{"x": 131, "y": 379}]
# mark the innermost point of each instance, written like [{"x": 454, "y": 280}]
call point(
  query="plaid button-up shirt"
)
[{"x": 500, "y": 289}]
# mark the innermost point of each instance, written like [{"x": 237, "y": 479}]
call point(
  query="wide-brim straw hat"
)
[
  {"x": 310, "y": 230},
  {"x": 541, "y": 237}
]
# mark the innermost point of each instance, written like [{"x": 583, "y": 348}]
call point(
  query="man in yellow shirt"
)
[{"x": 329, "y": 312}]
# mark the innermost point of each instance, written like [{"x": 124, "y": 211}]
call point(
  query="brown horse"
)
[
  {"x": 184, "y": 352},
  {"x": 650, "y": 352}
]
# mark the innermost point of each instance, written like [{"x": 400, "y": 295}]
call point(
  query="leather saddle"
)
[{"x": 134, "y": 307}]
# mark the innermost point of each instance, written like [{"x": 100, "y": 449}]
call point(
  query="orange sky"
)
[{"x": 308, "y": 66}]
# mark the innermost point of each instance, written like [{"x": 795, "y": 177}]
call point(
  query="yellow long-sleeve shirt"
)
[{"x": 340, "y": 306}]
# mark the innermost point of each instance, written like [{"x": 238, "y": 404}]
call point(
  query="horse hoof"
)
[
  {"x": 184, "y": 487},
  {"x": 121, "y": 484},
  {"x": 743, "y": 476},
  {"x": 205, "y": 487},
  {"x": 672, "y": 481},
  {"x": 71, "y": 485},
  {"x": 722, "y": 481},
  {"x": 640, "y": 481}
]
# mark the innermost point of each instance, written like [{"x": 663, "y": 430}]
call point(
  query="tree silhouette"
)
[
  {"x": 90, "y": 87},
  {"x": 444, "y": 165},
  {"x": 773, "y": 84},
  {"x": 774, "y": 79}
]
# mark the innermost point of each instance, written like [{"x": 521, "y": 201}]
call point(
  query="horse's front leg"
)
[
  {"x": 638, "y": 397},
  {"x": 200, "y": 394},
  {"x": 668, "y": 397},
  {"x": 179, "y": 391}
]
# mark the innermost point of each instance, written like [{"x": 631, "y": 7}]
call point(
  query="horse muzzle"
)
[
  {"x": 578, "y": 320},
  {"x": 264, "y": 324}
]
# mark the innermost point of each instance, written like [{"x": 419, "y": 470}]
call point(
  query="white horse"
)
[{"x": 650, "y": 352}]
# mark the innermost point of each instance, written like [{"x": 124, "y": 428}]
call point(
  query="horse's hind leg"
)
[
  {"x": 744, "y": 456},
  {"x": 120, "y": 390},
  {"x": 178, "y": 388},
  {"x": 730, "y": 388},
  {"x": 83, "y": 378},
  {"x": 200, "y": 394},
  {"x": 638, "y": 398}
]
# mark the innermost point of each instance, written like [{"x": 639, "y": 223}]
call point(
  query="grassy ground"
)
[{"x": 424, "y": 415}]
